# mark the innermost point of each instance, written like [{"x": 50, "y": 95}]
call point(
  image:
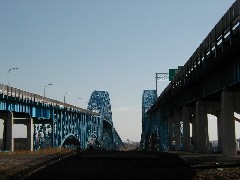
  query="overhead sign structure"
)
[
  {"x": 161, "y": 77},
  {"x": 167, "y": 76}
]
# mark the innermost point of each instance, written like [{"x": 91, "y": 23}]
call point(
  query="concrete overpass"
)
[{"x": 208, "y": 83}]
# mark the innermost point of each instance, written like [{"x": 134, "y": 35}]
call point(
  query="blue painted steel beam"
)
[
  {"x": 105, "y": 133},
  {"x": 155, "y": 127}
]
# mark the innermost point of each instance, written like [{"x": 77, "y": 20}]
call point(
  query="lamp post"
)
[
  {"x": 45, "y": 89},
  {"x": 9, "y": 72},
  {"x": 77, "y": 100},
  {"x": 64, "y": 100}
]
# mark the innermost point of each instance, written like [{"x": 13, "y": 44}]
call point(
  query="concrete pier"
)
[
  {"x": 228, "y": 124},
  {"x": 30, "y": 134},
  {"x": 177, "y": 132},
  {"x": 186, "y": 129},
  {"x": 171, "y": 132},
  {"x": 201, "y": 128},
  {"x": 219, "y": 131},
  {"x": 9, "y": 132},
  {"x": 9, "y": 121}
]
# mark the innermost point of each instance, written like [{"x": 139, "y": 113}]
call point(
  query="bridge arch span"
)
[
  {"x": 70, "y": 140},
  {"x": 100, "y": 102}
]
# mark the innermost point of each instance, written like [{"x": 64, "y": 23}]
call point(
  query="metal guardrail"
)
[{"x": 27, "y": 96}]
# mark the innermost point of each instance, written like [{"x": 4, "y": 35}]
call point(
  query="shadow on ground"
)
[{"x": 117, "y": 165}]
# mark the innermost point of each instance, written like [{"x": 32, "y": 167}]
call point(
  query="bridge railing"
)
[
  {"x": 12, "y": 92},
  {"x": 221, "y": 32}
]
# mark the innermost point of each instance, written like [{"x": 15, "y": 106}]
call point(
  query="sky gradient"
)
[{"x": 115, "y": 45}]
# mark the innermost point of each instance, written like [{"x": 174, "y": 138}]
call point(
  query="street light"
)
[
  {"x": 64, "y": 100},
  {"x": 45, "y": 90},
  {"x": 8, "y": 74},
  {"x": 78, "y": 99}
]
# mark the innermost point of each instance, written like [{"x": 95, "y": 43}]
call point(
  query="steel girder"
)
[
  {"x": 54, "y": 122},
  {"x": 74, "y": 125},
  {"x": 154, "y": 127},
  {"x": 148, "y": 98},
  {"x": 100, "y": 102}
]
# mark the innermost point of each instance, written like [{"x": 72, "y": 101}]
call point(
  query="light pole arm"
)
[
  {"x": 8, "y": 74},
  {"x": 44, "y": 90}
]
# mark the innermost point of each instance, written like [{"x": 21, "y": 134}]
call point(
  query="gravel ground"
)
[
  {"x": 213, "y": 166},
  {"x": 204, "y": 166},
  {"x": 218, "y": 173},
  {"x": 11, "y": 164}
]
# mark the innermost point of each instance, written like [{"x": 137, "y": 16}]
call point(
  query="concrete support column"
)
[
  {"x": 201, "y": 128},
  {"x": 177, "y": 132},
  {"x": 9, "y": 131},
  {"x": 219, "y": 130},
  {"x": 228, "y": 124},
  {"x": 170, "y": 131},
  {"x": 30, "y": 134},
  {"x": 186, "y": 129},
  {"x": 194, "y": 130}
]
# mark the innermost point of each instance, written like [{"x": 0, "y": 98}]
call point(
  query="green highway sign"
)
[{"x": 173, "y": 72}]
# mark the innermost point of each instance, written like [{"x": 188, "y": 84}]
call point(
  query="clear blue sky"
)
[{"x": 115, "y": 45}]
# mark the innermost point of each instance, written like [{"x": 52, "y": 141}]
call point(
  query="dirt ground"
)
[
  {"x": 212, "y": 166},
  {"x": 12, "y": 164},
  {"x": 117, "y": 165}
]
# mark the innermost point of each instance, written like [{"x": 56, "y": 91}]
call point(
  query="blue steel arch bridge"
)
[{"x": 51, "y": 123}]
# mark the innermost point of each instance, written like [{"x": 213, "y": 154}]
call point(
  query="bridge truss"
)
[
  {"x": 107, "y": 136},
  {"x": 51, "y": 123},
  {"x": 154, "y": 132}
]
